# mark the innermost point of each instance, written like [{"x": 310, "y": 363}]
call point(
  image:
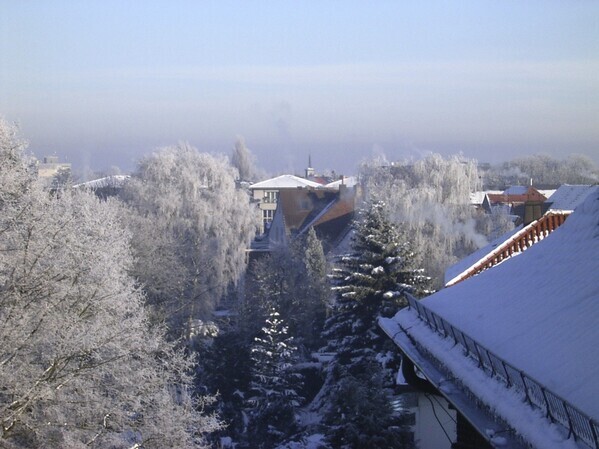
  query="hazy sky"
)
[{"x": 103, "y": 82}]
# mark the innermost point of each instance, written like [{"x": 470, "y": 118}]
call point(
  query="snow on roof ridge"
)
[
  {"x": 318, "y": 216},
  {"x": 285, "y": 181},
  {"x": 471, "y": 260},
  {"x": 500, "y": 246},
  {"x": 349, "y": 181}
]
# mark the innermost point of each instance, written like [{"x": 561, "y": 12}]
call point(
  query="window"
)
[
  {"x": 270, "y": 196},
  {"x": 267, "y": 216}
]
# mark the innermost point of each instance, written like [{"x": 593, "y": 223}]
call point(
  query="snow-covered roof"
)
[
  {"x": 349, "y": 181},
  {"x": 567, "y": 197},
  {"x": 477, "y": 197},
  {"x": 538, "y": 312},
  {"x": 516, "y": 190},
  {"x": 546, "y": 192},
  {"x": 468, "y": 261},
  {"x": 284, "y": 182},
  {"x": 113, "y": 181}
]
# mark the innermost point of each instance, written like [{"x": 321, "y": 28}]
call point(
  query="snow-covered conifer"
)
[
  {"x": 430, "y": 199},
  {"x": 274, "y": 387},
  {"x": 371, "y": 281},
  {"x": 314, "y": 258}
]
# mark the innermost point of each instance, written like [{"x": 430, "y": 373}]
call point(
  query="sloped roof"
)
[
  {"x": 349, "y": 181},
  {"x": 567, "y": 197},
  {"x": 470, "y": 260},
  {"x": 114, "y": 181},
  {"x": 546, "y": 192},
  {"x": 517, "y": 194},
  {"x": 284, "y": 182},
  {"x": 539, "y": 311},
  {"x": 516, "y": 190}
]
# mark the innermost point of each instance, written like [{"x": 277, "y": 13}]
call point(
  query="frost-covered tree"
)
[
  {"x": 243, "y": 160},
  {"x": 15, "y": 176},
  {"x": 431, "y": 200},
  {"x": 314, "y": 258},
  {"x": 316, "y": 292},
  {"x": 542, "y": 170},
  {"x": 274, "y": 396},
  {"x": 80, "y": 366},
  {"x": 190, "y": 226},
  {"x": 61, "y": 180},
  {"x": 293, "y": 281}
]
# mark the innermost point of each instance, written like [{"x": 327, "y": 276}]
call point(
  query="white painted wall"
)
[{"x": 428, "y": 433}]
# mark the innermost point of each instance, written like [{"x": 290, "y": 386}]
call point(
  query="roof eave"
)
[{"x": 485, "y": 422}]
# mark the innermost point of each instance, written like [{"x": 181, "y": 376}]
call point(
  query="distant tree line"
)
[{"x": 543, "y": 171}]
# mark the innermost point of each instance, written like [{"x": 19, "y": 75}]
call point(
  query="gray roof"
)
[{"x": 567, "y": 197}]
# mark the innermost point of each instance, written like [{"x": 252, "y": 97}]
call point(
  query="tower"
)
[{"x": 309, "y": 170}]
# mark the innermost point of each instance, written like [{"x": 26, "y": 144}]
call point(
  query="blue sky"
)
[{"x": 103, "y": 82}]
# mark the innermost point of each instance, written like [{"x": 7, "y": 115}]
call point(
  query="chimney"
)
[{"x": 532, "y": 211}]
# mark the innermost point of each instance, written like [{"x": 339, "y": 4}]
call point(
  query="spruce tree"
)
[
  {"x": 369, "y": 282},
  {"x": 315, "y": 292},
  {"x": 274, "y": 385},
  {"x": 314, "y": 259}
]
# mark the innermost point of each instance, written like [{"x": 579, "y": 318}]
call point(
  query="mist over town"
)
[{"x": 299, "y": 225}]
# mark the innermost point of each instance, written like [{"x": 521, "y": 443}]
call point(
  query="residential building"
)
[
  {"x": 50, "y": 169},
  {"x": 515, "y": 350},
  {"x": 540, "y": 220},
  {"x": 266, "y": 194},
  {"x": 329, "y": 209}
]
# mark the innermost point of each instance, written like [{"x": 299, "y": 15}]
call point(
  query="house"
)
[
  {"x": 521, "y": 201},
  {"x": 50, "y": 167},
  {"x": 536, "y": 227},
  {"x": 266, "y": 194},
  {"x": 328, "y": 209},
  {"x": 50, "y": 171},
  {"x": 567, "y": 197},
  {"x": 515, "y": 350}
]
